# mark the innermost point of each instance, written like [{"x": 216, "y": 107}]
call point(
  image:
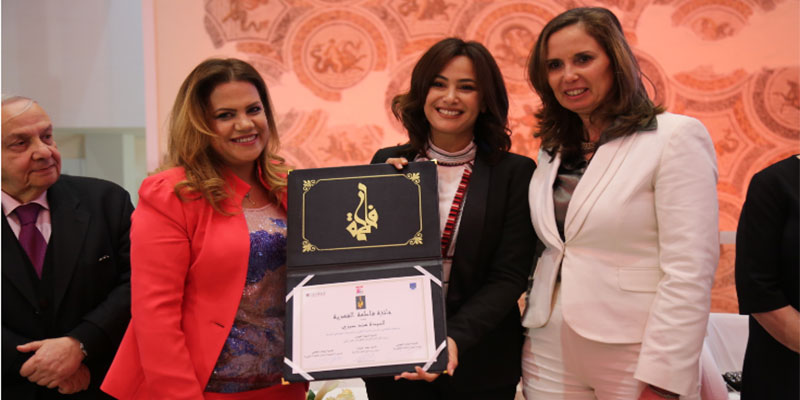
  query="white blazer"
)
[{"x": 641, "y": 248}]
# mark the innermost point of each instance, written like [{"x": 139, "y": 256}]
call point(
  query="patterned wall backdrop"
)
[{"x": 333, "y": 66}]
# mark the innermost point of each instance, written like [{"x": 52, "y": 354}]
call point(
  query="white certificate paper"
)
[{"x": 364, "y": 323}]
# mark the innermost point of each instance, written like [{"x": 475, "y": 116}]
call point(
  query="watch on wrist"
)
[{"x": 83, "y": 349}]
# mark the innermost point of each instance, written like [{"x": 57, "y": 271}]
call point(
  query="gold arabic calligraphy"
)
[{"x": 359, "y": 227}]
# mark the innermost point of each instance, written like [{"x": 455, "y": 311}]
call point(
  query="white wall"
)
[{"x": 82, "y": 60}]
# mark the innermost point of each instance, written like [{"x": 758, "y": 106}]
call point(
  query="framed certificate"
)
[
  {"x": 364, "y": 273},
  {"x": 365, "y": 213},
  {"x": 355, "y": 322}
]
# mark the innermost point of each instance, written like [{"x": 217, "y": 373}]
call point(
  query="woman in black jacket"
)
[{"x": 456, "y": 112}]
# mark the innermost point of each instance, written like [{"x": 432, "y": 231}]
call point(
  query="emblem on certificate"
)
[
  {"x": 364, "y": 275},
  {"x": 361, "y": 302},
  {"x": 361, "y": 226}
]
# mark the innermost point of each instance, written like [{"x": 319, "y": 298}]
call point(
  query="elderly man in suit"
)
[{"x": 65, "y": 265}]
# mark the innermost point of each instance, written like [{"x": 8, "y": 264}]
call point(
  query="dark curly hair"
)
[{"x": 492, "y": 135}]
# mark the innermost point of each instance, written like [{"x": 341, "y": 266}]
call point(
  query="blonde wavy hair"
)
[{"x": 190, "y": 135}]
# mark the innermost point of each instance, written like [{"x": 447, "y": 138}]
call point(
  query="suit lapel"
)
[
  {"x": 472, "y": 218},
  {"x": 70, "y": 223},
  {"x": 598, "y": 175},
  {"x": 542, "y": 206},
  {"x": 15, "y": 264}
]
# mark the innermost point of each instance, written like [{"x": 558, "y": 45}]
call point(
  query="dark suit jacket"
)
[
  {"x": 768, "y": 277},
  {"x": 493, "y": 257},
  {"x": 89, "y": 254}
]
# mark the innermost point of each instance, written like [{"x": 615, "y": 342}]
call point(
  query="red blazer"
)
[{"x": 189, "y": 265}]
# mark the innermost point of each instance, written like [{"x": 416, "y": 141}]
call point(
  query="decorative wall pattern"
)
[{"x": 333, "y": 63}]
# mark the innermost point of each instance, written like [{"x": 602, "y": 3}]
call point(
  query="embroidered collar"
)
[{"x": 449, "y": 159}]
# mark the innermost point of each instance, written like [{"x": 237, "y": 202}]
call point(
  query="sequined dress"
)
[{"x": 253, "y": 353}]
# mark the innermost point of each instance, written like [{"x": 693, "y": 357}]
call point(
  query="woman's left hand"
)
[{"x": 421, "y": 375}]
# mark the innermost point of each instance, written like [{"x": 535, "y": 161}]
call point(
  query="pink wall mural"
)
[{"x": 333, "y": 67}]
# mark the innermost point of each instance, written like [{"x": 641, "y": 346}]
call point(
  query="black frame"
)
[{"x": 407, "y": 236}]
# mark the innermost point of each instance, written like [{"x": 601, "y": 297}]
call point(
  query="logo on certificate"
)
[
  {"x": 361, "y": 302},
  {"x": 412, "y": 285},
  {"x": 361, "y": 225}
]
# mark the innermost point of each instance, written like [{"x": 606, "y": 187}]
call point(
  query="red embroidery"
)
[{"x": 455, "y": 209}]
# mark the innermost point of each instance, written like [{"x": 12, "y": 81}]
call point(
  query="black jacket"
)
[
  {"x": 88, "y": 286},
  {"x": 493, "y": 257}
]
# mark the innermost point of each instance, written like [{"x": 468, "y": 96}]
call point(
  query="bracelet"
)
[{"x": 663, "y": 393}]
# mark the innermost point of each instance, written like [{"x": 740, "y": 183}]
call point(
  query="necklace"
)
[
  {"x": 249, "y": 200},
  {"x": 588, "y": 147}
]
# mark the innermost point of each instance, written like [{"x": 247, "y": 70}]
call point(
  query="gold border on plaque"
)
[{"x": 416, "y": 239}]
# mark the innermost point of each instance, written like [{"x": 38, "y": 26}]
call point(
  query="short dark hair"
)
[
  {"x": 492, "y": 135},
  {"x": 628, "y": 106}
]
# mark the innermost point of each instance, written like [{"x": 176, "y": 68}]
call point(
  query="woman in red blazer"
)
[{"x": 208, "y": 251}]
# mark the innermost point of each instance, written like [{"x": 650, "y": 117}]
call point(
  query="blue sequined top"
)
[{"x": 253, "y": 353}]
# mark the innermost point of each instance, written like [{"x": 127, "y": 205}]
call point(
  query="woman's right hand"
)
[
  {"x": 420, "y": 374},
  {"x": 398, "y": 162}
]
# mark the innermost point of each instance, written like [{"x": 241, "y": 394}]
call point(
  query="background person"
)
[
  {"x": 456, "y": 112},
  {"x": 66, "y": 265},
  {"x": 208, "y": 251},
  {"x": 625, "y": 201},
  {"x": 767, "y": 281}
]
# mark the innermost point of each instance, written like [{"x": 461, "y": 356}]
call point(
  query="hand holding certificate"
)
[
  {"x": 356, "y": 323},
  {"x": 420, "y": 374},
  {"x": 363, "y": 324}
]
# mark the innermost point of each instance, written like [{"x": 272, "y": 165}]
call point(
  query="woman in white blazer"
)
[{"x": 624, "y": 200}]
